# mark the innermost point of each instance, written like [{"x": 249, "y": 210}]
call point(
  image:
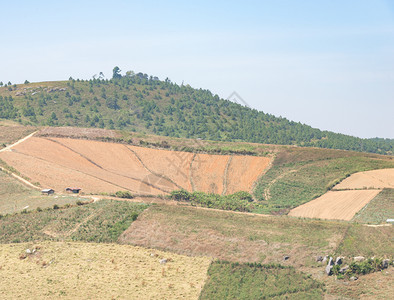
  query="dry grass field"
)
[
  {"x": 233, "y": 236},
  {"x": 340, "y": 205},
  {"x": 11, "y": 132},
  {"x": 376, "y": 179},
  {"x": 98, "y": 167},
  {"x": 77, "y": 132},
  {"x": 97, "y": 271}
]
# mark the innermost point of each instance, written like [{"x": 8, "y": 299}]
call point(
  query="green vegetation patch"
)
[
  {"x": 288, "y": 185},
  {"x": 378, "y": 210},
  {"x": 256, "y": 281},
  {"x": 239, "y": 201},
  {"x": 370, "y": 265},
  {"x": 102, "y": 221}
]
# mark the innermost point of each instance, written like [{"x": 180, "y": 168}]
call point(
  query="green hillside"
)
[{"x": 137, "y": 102}]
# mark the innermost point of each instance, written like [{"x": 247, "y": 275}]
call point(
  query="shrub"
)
[
  {"x": 124, "y": 194},
  {"x": 180, "y": 195},
  {"x": 239, "y": 201}
]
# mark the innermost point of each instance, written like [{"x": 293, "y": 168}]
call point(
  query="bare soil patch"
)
[
  {"x": 208, "y": 171},
  {"x": 340, "y": 205},
  {"x": 174, "y": 165},
  {"x": 243, "y": 172},
  {"x": 107, "y": 167},
  {"x": 98, "y": 271},
  {"x": 52, "y": 175}
]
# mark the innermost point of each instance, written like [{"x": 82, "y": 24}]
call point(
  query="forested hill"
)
[{"x": 141, "y": 103}]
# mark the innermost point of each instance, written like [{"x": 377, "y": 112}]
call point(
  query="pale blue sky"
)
[{"x": 329, "y": 64}]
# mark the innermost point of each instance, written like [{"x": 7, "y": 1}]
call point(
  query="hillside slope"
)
[{"x": 146, "y": 104}]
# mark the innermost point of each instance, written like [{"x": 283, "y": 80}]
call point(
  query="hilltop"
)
[{"x": 139, "y": 103}]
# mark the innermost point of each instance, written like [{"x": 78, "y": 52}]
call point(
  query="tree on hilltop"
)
[{"x": 116, "y": 73}]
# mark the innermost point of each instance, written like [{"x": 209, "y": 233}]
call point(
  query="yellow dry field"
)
[
  {"x": 378, "y": 179},
  {"x": 59, "y": 270},
  {"x": 339, "y": 205}
]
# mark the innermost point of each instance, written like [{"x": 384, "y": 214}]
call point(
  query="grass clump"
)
[{"x": 257, "y": 281}]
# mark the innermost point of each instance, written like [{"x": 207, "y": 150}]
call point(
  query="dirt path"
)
[
  {"x": 24, "y": 181},
  {"x": 9, "y": 148}
]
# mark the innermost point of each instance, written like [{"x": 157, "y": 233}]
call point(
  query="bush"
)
[
  {"x": 56, "y": 206},
  {"x": 239, "y": 201},
  {"x": 124, "y": 194},
  {"x": 180, "y": 195}
]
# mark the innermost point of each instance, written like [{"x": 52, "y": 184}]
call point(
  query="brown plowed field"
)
[
  {"x": 377, "y": 179},
  {"x": 175, "y": 165},
  {"x": 243, "y": 171},
  {"x": 43, "y": 151},
  {"x": 340, "y": 205},
  {"x": 208, "y": 171},
  {"x": 119, "y": 160},
  {"x": 53, "y": 175},
  {"x": 109, "y": 167}
]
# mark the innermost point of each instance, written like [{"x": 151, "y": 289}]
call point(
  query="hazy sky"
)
[{"x": 329, "y": 64}]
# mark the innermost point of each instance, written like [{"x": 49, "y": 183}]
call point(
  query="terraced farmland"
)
[{"x": 347, "y": 197}]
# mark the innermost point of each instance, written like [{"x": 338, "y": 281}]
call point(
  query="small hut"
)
[
  {"x": 73, "y": 190},
  {"x": 47, "y": 191}
]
